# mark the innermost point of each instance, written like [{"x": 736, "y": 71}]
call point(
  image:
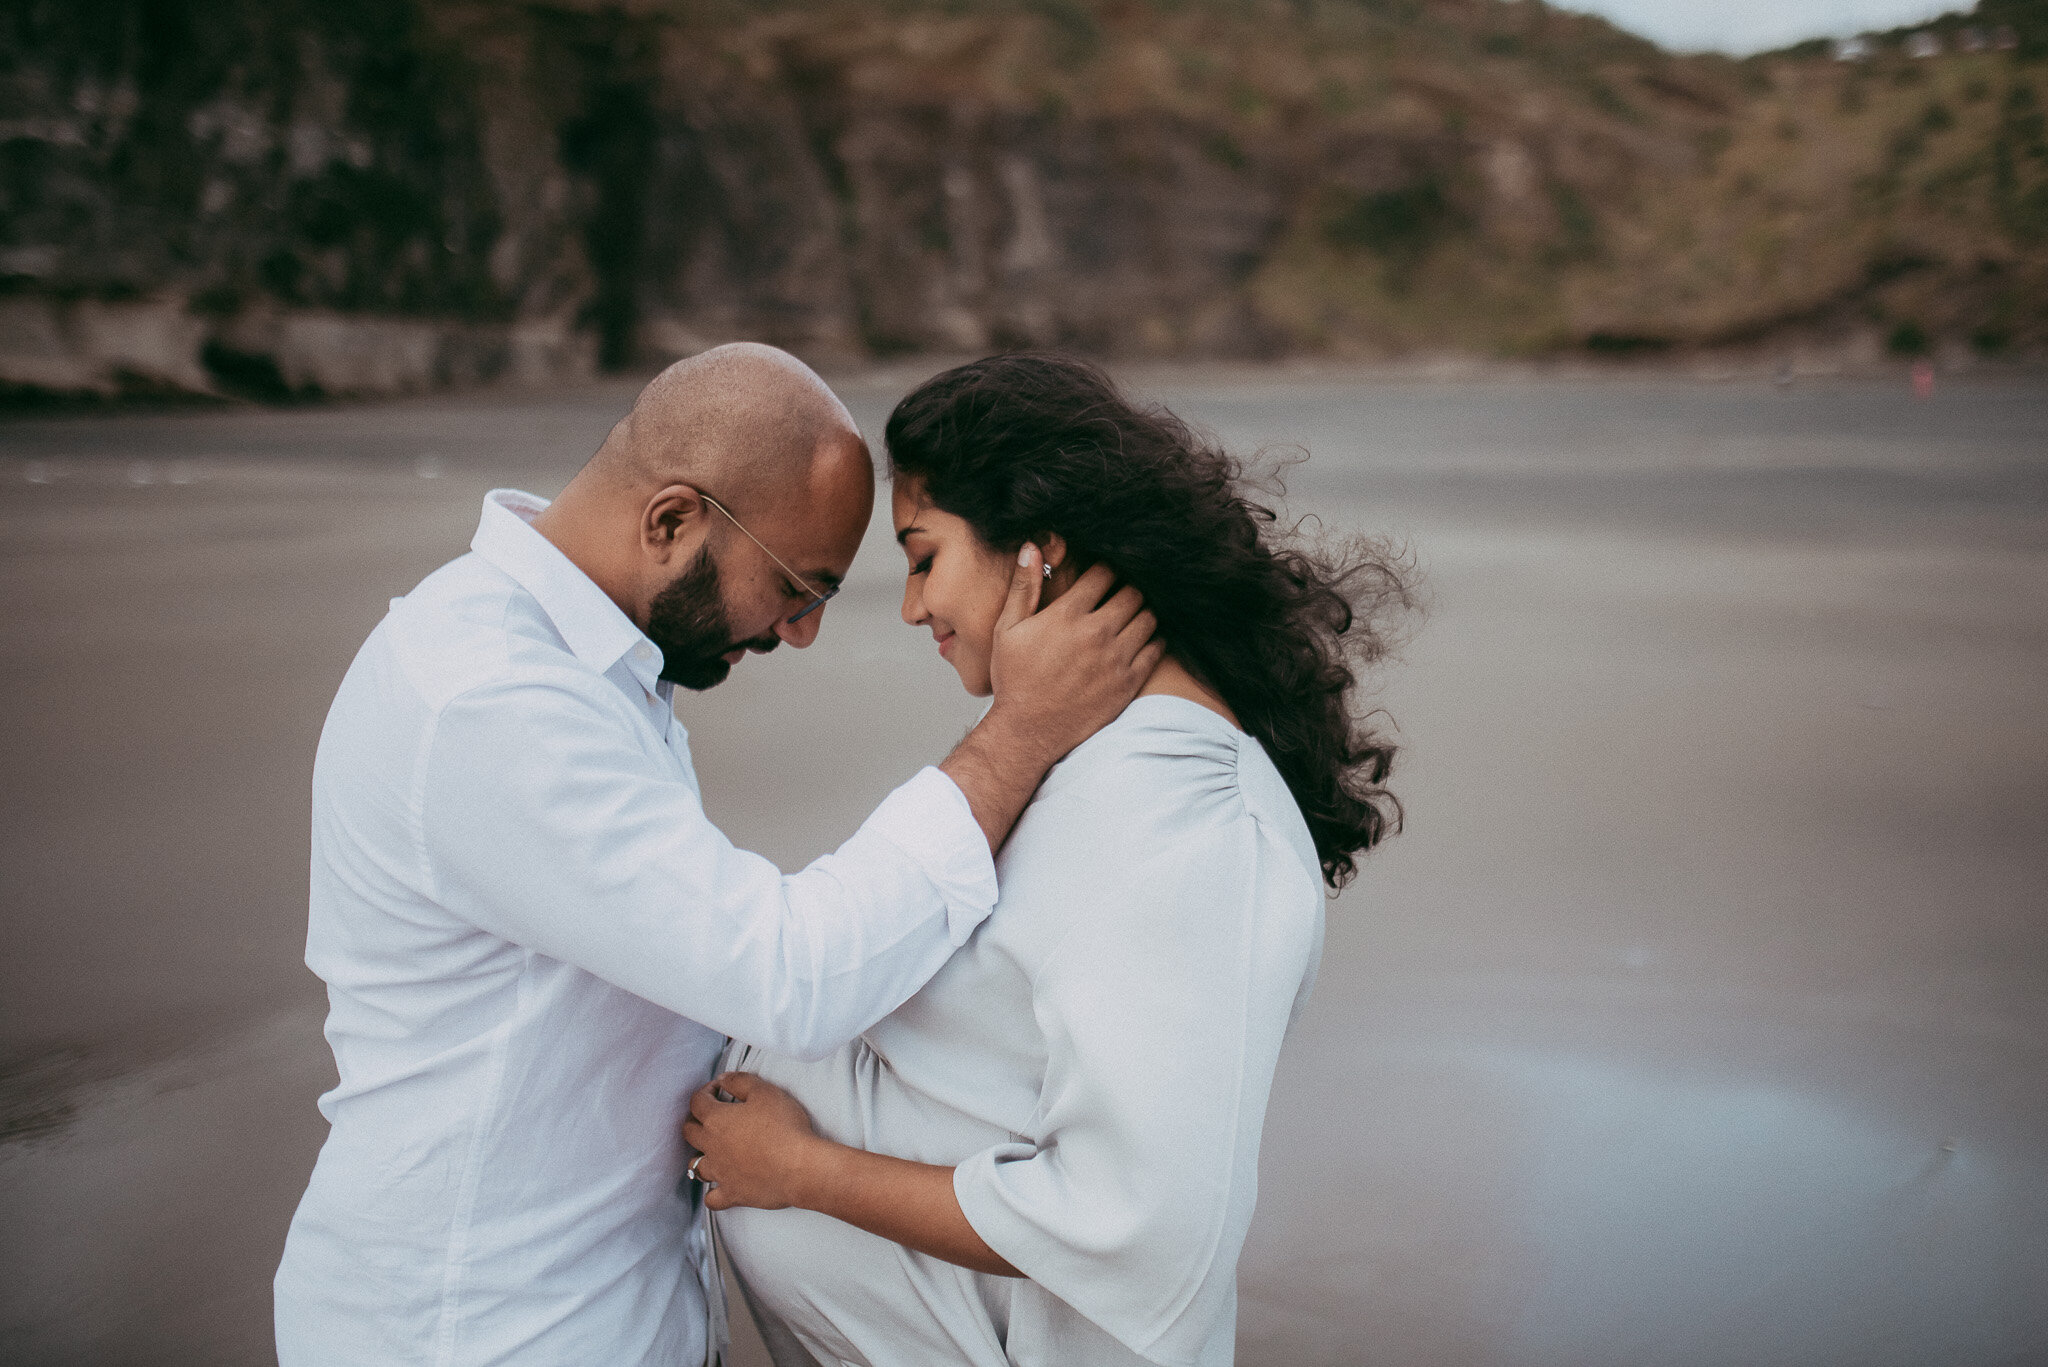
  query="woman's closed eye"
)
[{"x": 923, "y": 566}]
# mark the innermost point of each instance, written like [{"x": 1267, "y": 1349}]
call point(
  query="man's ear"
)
[{"x": 672, "y": 520}]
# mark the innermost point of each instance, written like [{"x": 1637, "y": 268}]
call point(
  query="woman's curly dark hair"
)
[{"x": 1022, "y": 446}]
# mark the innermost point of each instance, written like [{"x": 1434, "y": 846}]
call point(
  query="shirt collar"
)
[{"x": 596, "y": 632}]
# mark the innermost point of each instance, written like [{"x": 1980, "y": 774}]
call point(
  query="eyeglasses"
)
[{"x": 820, "y": 599}]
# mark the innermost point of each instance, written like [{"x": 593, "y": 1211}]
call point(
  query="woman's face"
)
[{"x": 955, "y": 586}]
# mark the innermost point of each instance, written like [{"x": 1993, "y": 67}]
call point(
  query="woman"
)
[{"x": 1049, "y": 1154}]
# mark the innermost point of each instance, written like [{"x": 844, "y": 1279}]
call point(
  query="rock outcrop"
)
[{"x": 279, "y": 198}]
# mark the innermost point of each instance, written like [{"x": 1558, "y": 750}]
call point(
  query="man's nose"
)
[{"x": 801, "y": 633}]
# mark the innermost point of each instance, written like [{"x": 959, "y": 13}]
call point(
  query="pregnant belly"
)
[
  {"x": 847, "y": 1296},
  {"x": 854, "y": 1097}
]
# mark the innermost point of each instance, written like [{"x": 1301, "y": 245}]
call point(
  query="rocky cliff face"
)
[{"x": 283, "y": 197}]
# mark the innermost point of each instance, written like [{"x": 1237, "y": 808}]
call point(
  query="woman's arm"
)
[{"x": 759, "y": 1150}]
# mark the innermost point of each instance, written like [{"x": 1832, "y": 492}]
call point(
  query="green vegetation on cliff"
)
[{"x": 541, "y": 186}]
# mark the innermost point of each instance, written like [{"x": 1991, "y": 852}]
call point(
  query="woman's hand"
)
[{"x": 758, "y": 1149}]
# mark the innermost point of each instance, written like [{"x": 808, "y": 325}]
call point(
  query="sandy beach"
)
[{"x": 1700, "y": 1016}]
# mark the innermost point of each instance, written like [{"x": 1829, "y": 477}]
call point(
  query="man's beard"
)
[{"x": 687, "y": 620}]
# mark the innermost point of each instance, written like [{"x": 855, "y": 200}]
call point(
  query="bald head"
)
[
  {"x": 733, "y": 495},
  {"x": 738, "y": 419}
]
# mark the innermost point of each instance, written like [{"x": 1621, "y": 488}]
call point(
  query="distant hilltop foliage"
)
[{"x": 284, "y": 197}]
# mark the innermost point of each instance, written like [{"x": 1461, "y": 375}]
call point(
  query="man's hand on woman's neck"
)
[{"x": 1059, "y": 676}]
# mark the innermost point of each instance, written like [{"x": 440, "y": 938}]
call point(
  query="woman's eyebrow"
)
[{"x": 913, "y": 527}]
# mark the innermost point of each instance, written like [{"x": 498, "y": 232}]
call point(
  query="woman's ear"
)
[{"x": 1059, "y": 573}]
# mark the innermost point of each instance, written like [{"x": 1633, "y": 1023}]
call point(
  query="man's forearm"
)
[
  {"x": 904, "y": 1202},
  {"x": 998, "y": 770}
]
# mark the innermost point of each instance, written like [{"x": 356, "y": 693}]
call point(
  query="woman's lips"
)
[{"x": 946, "y": 646}]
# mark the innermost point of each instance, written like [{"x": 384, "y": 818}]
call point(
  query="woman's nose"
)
[{"x": 913, "y": 603}]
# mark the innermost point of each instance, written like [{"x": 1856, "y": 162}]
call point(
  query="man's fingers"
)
[
  {"x": 1138, "y": 630},
  {"x": 735, "y": 1085},
  {"x": 1027, "y": 581},
  {"x": 1121, "y": 607},
  {"x": 1149, "y": 658},
  {"x": 1090, "y": 589},
  {"x": 693, "y": 1133},
  {"x": 702, "y": 1101}
]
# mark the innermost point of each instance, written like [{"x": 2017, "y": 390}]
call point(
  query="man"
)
[{"x": 533, "y": 939}]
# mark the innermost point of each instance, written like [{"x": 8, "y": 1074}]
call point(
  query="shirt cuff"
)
[{"x": 928, "y": 819}]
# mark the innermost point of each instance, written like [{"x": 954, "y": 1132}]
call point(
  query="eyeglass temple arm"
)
[{"x": 798, "y": 579}]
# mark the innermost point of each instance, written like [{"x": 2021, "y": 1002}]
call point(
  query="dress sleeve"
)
[
  {"x": 544, "y": 822},
  {"x": 1163, "y": 1011}
]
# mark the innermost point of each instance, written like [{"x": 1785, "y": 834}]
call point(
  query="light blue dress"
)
[{"x": 1095, "y": 1063}]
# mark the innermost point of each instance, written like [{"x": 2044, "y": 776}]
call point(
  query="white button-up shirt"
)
[{"x": 534, "y": 942}]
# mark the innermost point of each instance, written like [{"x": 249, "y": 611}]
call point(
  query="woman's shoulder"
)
[
  {"x": 1160, "y": 744},
  {"x": 1169, "y": 821},
  {"x": 1170, "y": 769}
]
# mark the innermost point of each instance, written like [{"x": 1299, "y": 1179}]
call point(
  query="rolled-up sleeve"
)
[
  {"x": 1163, "y": 1021},
  {"x": 544, "y": 821}
]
